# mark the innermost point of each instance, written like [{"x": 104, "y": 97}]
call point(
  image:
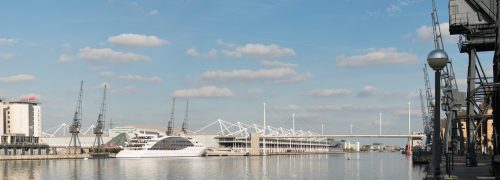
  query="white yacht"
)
[{"x": 147, "y": 145}]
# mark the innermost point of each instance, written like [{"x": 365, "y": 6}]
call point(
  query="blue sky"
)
[{"x": 329, "y": 62}]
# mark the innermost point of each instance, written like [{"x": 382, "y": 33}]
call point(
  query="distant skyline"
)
[{"x": 329, "y": 62}]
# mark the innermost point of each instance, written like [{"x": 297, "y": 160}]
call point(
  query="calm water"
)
[{"x": 324, "y": 166}]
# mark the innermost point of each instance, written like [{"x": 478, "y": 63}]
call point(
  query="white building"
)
[{"x": 20, "y": 117}]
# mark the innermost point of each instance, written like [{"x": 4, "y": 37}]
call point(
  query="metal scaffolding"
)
[{"x": 475, "y": 22}]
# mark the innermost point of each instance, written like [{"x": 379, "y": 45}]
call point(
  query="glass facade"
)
[{"x": 172, "y": 143}]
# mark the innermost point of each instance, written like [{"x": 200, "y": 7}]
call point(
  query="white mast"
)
[
  {"x": 293, "y": 123},
  {"x": 264, "y": 134},
  {"x": 409, "y": 117},
  {"x": 380, "y": 124}
]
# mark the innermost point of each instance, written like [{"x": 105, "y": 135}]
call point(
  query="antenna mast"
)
[{"x": 74, "y": 129}]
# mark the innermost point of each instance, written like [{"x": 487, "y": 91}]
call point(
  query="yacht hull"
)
[{"x": 187, "y": 152}]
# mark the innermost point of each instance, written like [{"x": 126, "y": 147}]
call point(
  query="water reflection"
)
[
  {"x": 21, "y": 169},
  {"x": 320, "y": 166},
  {"x": 410, "y": 167},
  {"x": 74, "y": 167}
]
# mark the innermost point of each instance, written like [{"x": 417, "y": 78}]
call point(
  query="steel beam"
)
[{"x": 471, "y": 77}]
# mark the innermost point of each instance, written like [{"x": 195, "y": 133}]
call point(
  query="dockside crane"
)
[
  {"x": 171, "y": 122},
  {"x": 452, "y": 99},
  {"x": 185, "y": 123},
  {"x": 430, "y": 108},
  {"x": 99, "y": 129},
  {"x": 74, "y": 129},
  {"x": 425, "y": 119}
]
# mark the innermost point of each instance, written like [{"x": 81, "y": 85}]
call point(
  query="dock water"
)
[{"x": 41, "y": 157}]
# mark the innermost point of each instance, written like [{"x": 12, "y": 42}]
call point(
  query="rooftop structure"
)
[{"x": 476, "y": 20}]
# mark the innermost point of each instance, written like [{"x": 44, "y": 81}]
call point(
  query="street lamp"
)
[{"x": 437, "y": 60}]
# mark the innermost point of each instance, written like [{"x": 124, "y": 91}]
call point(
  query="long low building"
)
[{"x": 86, "y": 141}]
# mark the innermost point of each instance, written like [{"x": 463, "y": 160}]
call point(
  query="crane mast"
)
[
  {"x": 99, "y": 129},
  {"x": 430, "y": 108},
  {"x": 185, "y": 123},
  {"x": 428, "y": 92},
  {"x": 171, "y": 122},
  {"x": 452, "y": 99},
  {"x": 424, "y": 113},
  {"x": 74, "y": 129}
]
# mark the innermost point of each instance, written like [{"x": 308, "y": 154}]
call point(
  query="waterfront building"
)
[
  {"x": 20, "y": 128},
  {"x": 20, "y": 117}
]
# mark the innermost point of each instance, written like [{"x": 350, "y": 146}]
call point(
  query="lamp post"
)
[{"x": 437, "y": 60}]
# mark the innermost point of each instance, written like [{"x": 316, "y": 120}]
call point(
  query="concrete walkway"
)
[{"x": 461, "y": 171}]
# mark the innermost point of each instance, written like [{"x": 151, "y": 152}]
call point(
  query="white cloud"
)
[
  {"x": 329, "y": 92},
  {"x": 140, "y": 78},
  {"x": 343, "y": 107},
  {"x": 193, "y": 52},
  {"x": 153, "y": 12},
  {"x": 125, "y": 90},
  {"x": 136, "y": 40},
  {"x": 17, "y": 78},
  {"x": 278, "y": 64},
  {"x": 399, "y": 5},
  {"x": 106, "y": 74},
  {"x": 425, "y": 33},
  {"x": 384, "y": 56},
  {"x": 416, "y": 112},
  {"x": 349, "y": 107},
  {"x": 64, "y": 58},
  {"x": 290, "y": 107},
  {"x": 107, "y": 54},
  {"x": 204, "y": 92},
  {"x": 255, "y": 91},
  {"x": 278, "y": 75},
  {"x": 368, "y": 91},
  {"x": 116, "y": 90},
  {"x": 4, "y": 41},
  {"x": 102, "y": 84},
  {"x": 393, "y": 8},
  {"x": 225, "y": 44},
  {"x": 371, "y": 91},
  {"x": 259, "y": 50},
  {"x": 6, "y": 56},
  {"x": 414, "y": 95}
]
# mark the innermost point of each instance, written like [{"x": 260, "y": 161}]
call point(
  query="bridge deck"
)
[{"x": 350, "y": 136}]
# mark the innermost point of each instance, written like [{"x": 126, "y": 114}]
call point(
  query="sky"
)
[{"x": 334, "y": 63}]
